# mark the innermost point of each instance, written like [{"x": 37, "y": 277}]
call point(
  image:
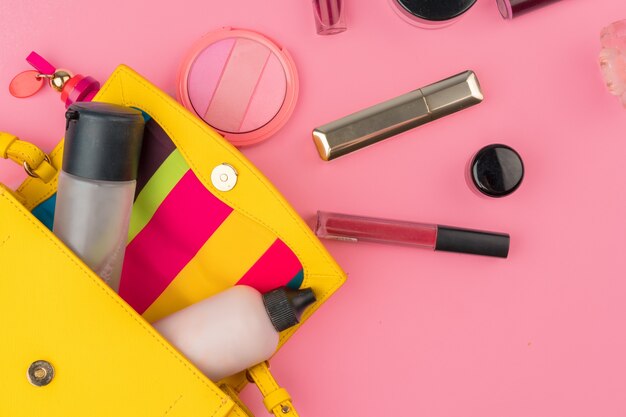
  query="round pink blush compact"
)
[{"x": 240, "y": 83}]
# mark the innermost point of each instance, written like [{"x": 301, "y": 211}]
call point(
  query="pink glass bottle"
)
[{"x": 329, "y": 16}]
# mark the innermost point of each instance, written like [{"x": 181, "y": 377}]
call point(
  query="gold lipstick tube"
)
[{"x": 397, "y": 115}]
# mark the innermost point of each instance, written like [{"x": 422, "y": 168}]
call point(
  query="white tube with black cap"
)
[{"x": 234, "y": 329}]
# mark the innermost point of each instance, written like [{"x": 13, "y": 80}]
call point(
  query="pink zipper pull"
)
[
  {"x": 40, "y": 64},
  {"x": 72, "y": 87},
  {"x": 28, "y": 83}
]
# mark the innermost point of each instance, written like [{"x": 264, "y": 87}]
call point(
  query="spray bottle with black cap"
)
[{"x": 97, "y": 184}]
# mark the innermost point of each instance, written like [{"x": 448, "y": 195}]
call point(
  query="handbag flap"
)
[{"x": 107, "y": 360}]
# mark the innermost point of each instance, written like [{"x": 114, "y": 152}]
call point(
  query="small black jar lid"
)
[
  {"x": 436, "y": 10},
  {"x": 497, "y": 170}
]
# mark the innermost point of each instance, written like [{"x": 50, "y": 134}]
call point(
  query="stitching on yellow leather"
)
[
  {"x": 258, "y": 380},
  {"x": 56, "y": 150},
  {"x": 5, "y": 240},
  {"x": 25, "y": 157},
  {"x": 51, "y": 186},
  {"x": 47, "y": 195},
  {"x": 241, "y": 409},
  {"x": 51, "y": 189},
  {"x": 172, "y": 406},
  {"x": 133, "y": 314},
  {"x": 6, "y": 140},
  {"x": 238, "y": 411},
  {"x": 108, "y": 84},
  {"x": 261, "y": 373},
  {"x": 241, "y": 384},
  {"x": 26, "y": 151},
  {"x": 122, "y": 93},
  {"x": 276, "y": 399}
]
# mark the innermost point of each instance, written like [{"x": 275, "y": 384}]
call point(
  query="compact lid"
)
[
  {"x": 436, "y": 10},
  {"x": 239, "y": 82},
  {"x": 497, "y": 170},
  {"x": 102, "y": 141},
  {"x": 284, "y": 306}
]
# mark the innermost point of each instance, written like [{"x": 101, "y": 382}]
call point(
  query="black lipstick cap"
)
[{"x": 475, "y": 242}]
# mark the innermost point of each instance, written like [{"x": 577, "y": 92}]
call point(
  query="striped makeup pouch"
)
[{"x": 223, "y": 248}]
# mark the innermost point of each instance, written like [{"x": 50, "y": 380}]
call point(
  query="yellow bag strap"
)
[
  {"x": 276, "y": 399},
  {"x": 35, "y": 162}
]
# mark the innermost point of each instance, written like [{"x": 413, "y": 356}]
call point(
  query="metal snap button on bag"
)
[
  {"x": 40, "y": 373},
  {"x": 224, "y": 177}
]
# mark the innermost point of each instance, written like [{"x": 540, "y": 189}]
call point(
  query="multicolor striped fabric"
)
[{"x": 184, "y": 244}]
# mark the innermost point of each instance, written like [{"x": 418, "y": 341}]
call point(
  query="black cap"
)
[
  {"x": 284, "y": 306},
  {"x": 513, "y": 8},
  {"x": 475, "y": 242},
  {"x": 497, "y": 170},
  {"x": 436, "y": 10},
  {"x": 102, "y": 141}
]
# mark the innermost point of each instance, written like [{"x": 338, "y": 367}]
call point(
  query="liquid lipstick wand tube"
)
[{"x": 429, "y": 236}]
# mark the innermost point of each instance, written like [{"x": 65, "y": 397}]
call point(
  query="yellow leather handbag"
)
[{"x": 72, "y": 346}]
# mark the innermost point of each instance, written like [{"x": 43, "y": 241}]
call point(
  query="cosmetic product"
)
[
  {"x": 73, "y": 88},
  {"x": 495, "y": 171},
  {"x": 235, "y": 329},
  {"x": 397, "y": 115},
  {"x": 613, "y": 58},
  {"x": 429, "y": 236},
  {"x": 513, "y": 8},
  {"x": 97, "y": 184},
  {"x": 329, "y": 16},
  {"x": 240, "y": 83},
  {"x": 431, "y": 14}
]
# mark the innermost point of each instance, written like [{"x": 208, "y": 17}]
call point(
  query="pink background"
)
[{"x": 412, "y": 332}]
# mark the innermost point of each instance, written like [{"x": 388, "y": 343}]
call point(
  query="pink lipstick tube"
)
[
  {"x": 430, "y": 236},
  {"x": 330, "y": 16}
]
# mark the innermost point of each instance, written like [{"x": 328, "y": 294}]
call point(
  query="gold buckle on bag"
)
[{"x": 30, "y": 171}]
